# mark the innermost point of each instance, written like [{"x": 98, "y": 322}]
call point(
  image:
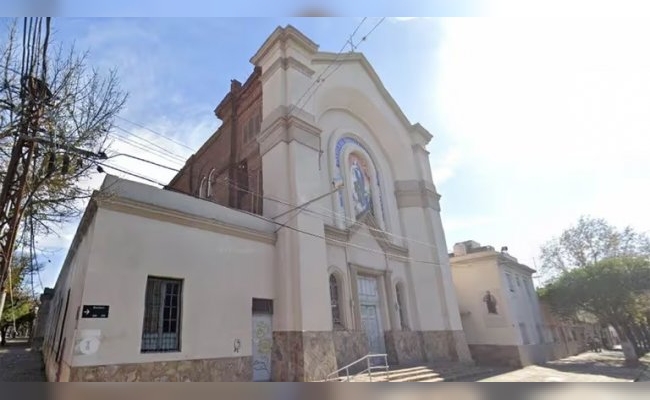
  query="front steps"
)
[{"x": 443, "y": 372}]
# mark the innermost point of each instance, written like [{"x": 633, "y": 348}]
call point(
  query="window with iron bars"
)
[{"x": 162, "y": 315}]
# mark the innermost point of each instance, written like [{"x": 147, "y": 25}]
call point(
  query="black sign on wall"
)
[{"x": 94, "y": 312}]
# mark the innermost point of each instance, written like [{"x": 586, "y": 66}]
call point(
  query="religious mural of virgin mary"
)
[{"x": 361, "y": 189}]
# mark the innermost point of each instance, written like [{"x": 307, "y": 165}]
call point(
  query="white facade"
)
[
  {"x": 223, "y": 257},
  {"x": 499, "y": 307},
  {"x": 363, "y": 270}
]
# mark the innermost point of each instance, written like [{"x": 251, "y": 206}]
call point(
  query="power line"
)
[
  {"x": 34, "y": 95},
  {"x": 151, "y": 143},
  {"x": 128, "y": 172},
  {"x": 143, "y": 160},
  {"x": 364, "y": 38},
  {"x": 318, "y": 79},
  {"x": 155, "y": 133},
  {"x": 171, "y": 156},
  {"x": 285, "y": 225},
  {"x": 332, "y": 213},
  {"x": 230, "y": 184},
  {"x": 143, "y": 147},
  {"x": 347, "y": 244}
]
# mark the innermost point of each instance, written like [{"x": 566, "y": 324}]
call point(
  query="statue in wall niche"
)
[
  {"x": 361, "y": 186},
  {"x": 491, "y": 302}
]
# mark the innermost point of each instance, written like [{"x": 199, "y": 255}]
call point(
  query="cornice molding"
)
[
  {"x": 416, "y": 193},
  {"x": 282, "y": 36},
  {"x": 499, "y": 260},
  {"x": 287, "y": 128},
  {"x": 335, "y": 236},
  {"x": 418, "y": 134},
  {"x": 166, "y": 215},
  {"x": 286, "y": 63}
]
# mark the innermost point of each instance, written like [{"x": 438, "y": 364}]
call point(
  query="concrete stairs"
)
[{"x": 442, "y": 372}]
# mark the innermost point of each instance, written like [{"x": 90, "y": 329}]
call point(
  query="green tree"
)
[
  {"x": 614, "y": 290},
  {"x": 80, "y": 114},
  {"x": 19, "y": 305},
  {"x": 590, "y": 241}
]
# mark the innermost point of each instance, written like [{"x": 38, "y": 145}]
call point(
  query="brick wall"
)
[{"x": 231, "y": 153}]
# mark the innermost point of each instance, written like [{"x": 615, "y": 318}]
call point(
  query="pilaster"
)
[{"x": 303, "y": 347}]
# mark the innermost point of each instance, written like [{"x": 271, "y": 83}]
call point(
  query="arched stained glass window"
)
[
  {"x": 335, "y": 299},
  {"x": 400, "y": 307}
]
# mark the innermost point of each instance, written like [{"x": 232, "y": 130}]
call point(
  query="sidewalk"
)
[
  {"x": 645, "y": 374},
  {"x": 18, "y": 363},
  {"x": 607, "y": 366}
]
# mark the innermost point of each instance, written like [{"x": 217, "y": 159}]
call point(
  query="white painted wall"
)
[
  {"x": 365, "y": 251},
  {"x": 473, "y": 274},
  {"x": 472, "y": 280},
  {"x": 352, "y": 89},
  {"x": 350, "y": 103},
  {"x": 61, "y": 325},
  {"x": 524, "y": 305},
  {"x": 221, "y": 274},
  {"x": 337, "y": 123}
]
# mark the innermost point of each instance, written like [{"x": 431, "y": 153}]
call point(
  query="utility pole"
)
[{"x": 33, "y": 96}]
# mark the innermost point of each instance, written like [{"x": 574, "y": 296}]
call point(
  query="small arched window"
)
[
  {"x": 201, "y": 186},
  {"x": 209, "y": 194},
  {"x": 335, "y": 301},
  {"x": 399, "y": 293}
]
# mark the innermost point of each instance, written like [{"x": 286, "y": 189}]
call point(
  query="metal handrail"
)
[{"x": 368, "y": 369}]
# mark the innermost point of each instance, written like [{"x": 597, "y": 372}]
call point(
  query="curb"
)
[{"x": 641, "y": 373}]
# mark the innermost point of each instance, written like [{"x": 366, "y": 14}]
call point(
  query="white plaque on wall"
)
[
  {"x": 88, "y": 346},
  {"x": 88, "y": 341}
]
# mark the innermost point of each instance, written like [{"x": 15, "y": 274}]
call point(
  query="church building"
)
[{"x": 302, "y": 236}]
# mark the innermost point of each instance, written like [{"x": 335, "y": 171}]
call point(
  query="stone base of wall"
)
[
  {"x": 413, "y": 348},
  {"x": 496, "y": 355},
  {"x": 350, "y": 346},
  {"x": 462, "y": 349},
  {"x": 565, "y": 349},
  {"x": 535, "y": 353},
  {"x": 405, "y": 348},
  {"x": 302, "y": 356},
  {"x": 232, "y": 369},
  {"x": 441, "y": 345},
  {"x": 51, "y": 366}
]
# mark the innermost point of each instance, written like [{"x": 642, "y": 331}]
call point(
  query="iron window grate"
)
[{"x": 161, "y": 326}]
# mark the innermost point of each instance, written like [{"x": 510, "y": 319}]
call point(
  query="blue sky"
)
[
  {"x": 199, "y": 8},
  {"x": 535, "y": 121},
  {"x": 438, "y": 8}
]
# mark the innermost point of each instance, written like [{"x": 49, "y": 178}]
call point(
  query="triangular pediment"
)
[
  {"x": 367, "y": 226},
  {"x": 417, "y": 132}
]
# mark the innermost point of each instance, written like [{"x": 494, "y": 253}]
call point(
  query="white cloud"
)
[
  {"x": 196, "y": 131},
  {"x": 119, "y": 43},
  {"x": 444, "y": 168},
  {"x": 455, "y": 224},
  {"x": 553, "y": 112},
  {"x": 405, "y": 19},
  {"x": 566, "y": 8}
]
